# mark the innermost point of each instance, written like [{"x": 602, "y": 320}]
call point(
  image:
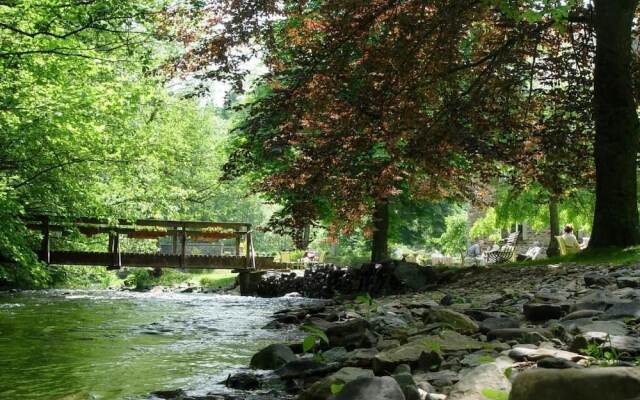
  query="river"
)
[{"x": 124, "y": 345}]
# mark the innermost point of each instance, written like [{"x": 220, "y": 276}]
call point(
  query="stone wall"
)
[{"x": 328, "y": 280}]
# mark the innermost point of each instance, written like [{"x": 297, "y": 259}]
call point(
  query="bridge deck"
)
[
  {"x": 153, "y": 260},
  {"x": 181, "y": 233}
]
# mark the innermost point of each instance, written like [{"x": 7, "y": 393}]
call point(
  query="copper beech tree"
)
[{"x": 368, "y": 100}]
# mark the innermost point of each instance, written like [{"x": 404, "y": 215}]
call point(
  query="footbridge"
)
[{"x": 174, "y": 244}]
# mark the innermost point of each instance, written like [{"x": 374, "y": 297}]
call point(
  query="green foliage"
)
[
  {"x": 456, "y": 236},
  {"x": 486, "y": 226},
  {"x": 366, "y": 304},
  {"x": 493, "y": 394},
  {"x": 336, "y": 388},
  {"x": 140, "y": 279},
  {"x": 606, "y": 355},
  {"x": 311, "y": 342},
  {"x": 508, "y": 372},
  {"x": 216, "y": 283}
]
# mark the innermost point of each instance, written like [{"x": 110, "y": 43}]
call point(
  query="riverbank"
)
[{"x": 532, "y": 331}]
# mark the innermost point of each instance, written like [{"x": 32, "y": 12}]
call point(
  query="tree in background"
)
[
  {"x": 89, "y": 128},
  {"x": 455, "y": 238},
  {"x": 453, "y": 72}
]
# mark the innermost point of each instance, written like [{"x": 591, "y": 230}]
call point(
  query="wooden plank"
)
[{"x": 123, "y": 231}]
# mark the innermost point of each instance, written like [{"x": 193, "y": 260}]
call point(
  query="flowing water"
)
[{"x": 124, "y": 345}]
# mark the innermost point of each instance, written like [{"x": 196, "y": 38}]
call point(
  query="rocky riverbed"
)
[{"x": 523, "y": 333}]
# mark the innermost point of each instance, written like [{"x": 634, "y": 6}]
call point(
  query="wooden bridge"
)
[{"x": 179, "y": 234}]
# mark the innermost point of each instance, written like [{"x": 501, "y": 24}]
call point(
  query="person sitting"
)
[
  {"x": 570, "y": 242},
  {"x": 474, "y": 250},
  {"x": 310, "y": 256}
]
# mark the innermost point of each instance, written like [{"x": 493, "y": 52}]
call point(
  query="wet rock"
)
[
  {"x": 521, "y": 335},
  {"x": 412, "y": 354},
  {"x": 543, "y": 312},
  {"x": 321, "y": 390},
  {"x": 384, "y": 388},
  {"x": 176, "y": 394},
  {"x": 273, "y": 356},
  {"x": 556, "y": 363},
  {"x": 577, "y": 384},
  {"x": 457, "y": 321},
  {"x": 242, "y": 381},
  {"x": 304, "y": 369},
  {"x": 477, "y": 380},
  {"x": 491, "y": 324}
]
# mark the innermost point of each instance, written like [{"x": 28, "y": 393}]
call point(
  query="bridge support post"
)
[
  {"x": 249, "y": 282},
  {"x": 114, "y": 249},
  {"x": 183, "y": 248},
  {"x": 45, "y": 249}
]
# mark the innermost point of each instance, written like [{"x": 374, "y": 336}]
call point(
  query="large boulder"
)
[
  {"x": 273, "y": 356},
  {"x": 475, "y": 383},
  {"x": 384, "y": 388},
  {"x": 577, "y": 384},
  {"x": 453, "y": 319}
]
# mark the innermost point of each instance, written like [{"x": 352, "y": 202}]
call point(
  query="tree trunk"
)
[
  {"x": 379, "y": 245},
  {"x": 306, "y": 236},
  {"x": 554, "y": 228},
  {"x": 615, "y": 220}
]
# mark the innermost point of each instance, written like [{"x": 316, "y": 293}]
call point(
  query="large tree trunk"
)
[
  {"x": 554, "y": 228},
  {"x": 379, "y": 244},
  {"x": 616, "y": 214}
]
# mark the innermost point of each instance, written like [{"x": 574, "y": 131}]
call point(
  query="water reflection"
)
[{"x": 120, "y": 345}]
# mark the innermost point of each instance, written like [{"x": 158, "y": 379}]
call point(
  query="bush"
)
[{"x": 139, "y": 279}]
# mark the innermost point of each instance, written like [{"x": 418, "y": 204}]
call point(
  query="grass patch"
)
[
  {"x": 141, "y": 278},
  {"x": 217, "y": 280},
  {"x": 613, "y": 255}
]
